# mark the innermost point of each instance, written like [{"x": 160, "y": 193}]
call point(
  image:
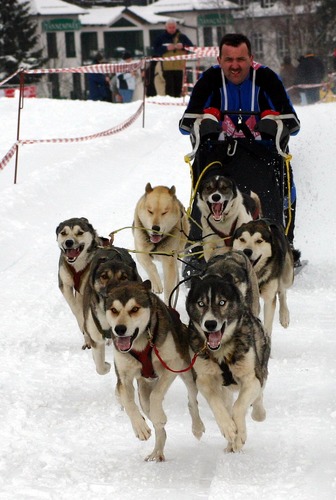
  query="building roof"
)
[
  {"x": 106, "y": 16},
  {"x": 53, "y": 7}
]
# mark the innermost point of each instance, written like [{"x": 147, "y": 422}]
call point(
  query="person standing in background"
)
[
  {"x": 172, "y": 43},
  {"x": 288, "y": 77},
  {"x": 99, "y": 84},
  {"x": 310, "y": 70}
]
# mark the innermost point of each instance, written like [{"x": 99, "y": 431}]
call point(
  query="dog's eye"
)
[
  {"x": 222, "y": 302},
  {"x": 63, "y": 233},
  {"x": 259, "y": 241},
  {"x": 150, "y": 212},
  {"x": 79, "y": 233},
  {"x": 104, "y": 276},
  {"x": 242, "y": 240},
  {"x": 135, "y": 309},
  {"x": 123, "y": 277},
  {"x": 200, "y": 303},
  {"x": 164, "y": 213},
  {"x": 113, "y": 310}
]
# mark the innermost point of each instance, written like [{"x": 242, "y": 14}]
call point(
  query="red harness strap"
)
[
  {"x": 145, "y": 358},
  {"x": 226, "y": 237},
  {"x": 77, "y": 276}
]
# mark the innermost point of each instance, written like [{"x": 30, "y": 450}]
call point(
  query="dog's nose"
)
[
  {"x": 248, "y": 252},
  {"x": 216, "y": 197},
  {"x": 68, "y": 243},
  {"x": 211, "y": 325},
  {"x": 120, "y": 330},
  {"x": 156, "y": 228}
]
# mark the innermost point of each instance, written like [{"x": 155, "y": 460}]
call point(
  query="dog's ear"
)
[
  {"x": 147, "y": 285},
  {"x": 172, "y": 191},
  {"x": 148, "y": 188},
  {"x": 84, "y": 219}
]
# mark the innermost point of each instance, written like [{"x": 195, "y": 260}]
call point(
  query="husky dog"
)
[
  {"x": 223, "y": 209},
  {"x": 233, "y": 351},
  {"x": 264, "y": 242},
  {"x": 109, "y": 267},
  {"x": 160, "y": 232},
  {"x": 78, "y": 241},
  {"x": 235, "y": 266},
  {"x": 151, "y": 346}
]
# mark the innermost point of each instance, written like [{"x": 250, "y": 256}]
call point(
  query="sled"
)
[
  {"x": 253, "y": 166},
  {"x": 298, "y": 269}
]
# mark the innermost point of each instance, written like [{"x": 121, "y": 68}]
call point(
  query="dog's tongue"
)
[
  {"x": 123, "y": 343},
  {"x": 214, "y": 339},
  {"x": 217, "y": 210},
  {"x": 155, "y": 238},
  {"x": 72, "y": 253}
]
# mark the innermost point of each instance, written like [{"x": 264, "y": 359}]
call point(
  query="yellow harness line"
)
[
  {"x": 289, "y": 198},
  {"x": 168, "y": 254}
]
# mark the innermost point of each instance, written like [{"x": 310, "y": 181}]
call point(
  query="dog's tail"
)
[{"x": 256, "y": 211}]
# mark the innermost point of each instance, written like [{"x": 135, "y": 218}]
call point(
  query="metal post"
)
[{"x": 19, "y": 123}]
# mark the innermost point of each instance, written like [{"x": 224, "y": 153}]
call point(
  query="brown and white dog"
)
[
  {"x": 265, "y": 244},
  {"x": 78, "y": 242},
  {"x": 223, "y": 208},
  {"x": 109, "y": 267},
  {"x": 160, "y": 231},
  {"x": 151, "y": 346}
]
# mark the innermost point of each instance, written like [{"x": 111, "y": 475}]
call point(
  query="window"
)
[
  {"x": 207, "y": 36},
  {"x": 267, "y": 3},
  {"x": 115, "y": 42},
  {"x": 70, "y": 46},
  {"x": 257, "y": 46},
  {"x": 52, "y": 45},
  {"x": 89, "y": 44},
  {"x": 243, "y": 3},
  {"x": 282, "y": 45}
]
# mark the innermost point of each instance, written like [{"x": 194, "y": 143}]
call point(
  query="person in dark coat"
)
[
  {"x": 172, "y": 43},
  {"x": 99, "y": 83},
  {"x": 310, "y": 70}
]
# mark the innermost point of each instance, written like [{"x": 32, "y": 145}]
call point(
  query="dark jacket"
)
[
  {"x": 268, "y": 94},
  {"x": 162, "y": 41},
  {"x": 99, "y": 89},
  {"x": 310, "y": 69}
]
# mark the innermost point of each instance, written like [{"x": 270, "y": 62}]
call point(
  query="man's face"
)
[
  {"x": 235, "y": 62},
  {"x": 171, "y": 28}
]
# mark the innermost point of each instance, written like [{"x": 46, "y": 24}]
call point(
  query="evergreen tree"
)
[{"x": 18, "y": 39}]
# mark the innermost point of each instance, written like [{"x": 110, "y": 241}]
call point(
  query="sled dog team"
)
[{"x": 224, "y": 349}]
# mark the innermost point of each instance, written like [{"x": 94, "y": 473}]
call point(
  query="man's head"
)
[
  {"x": 171, "y": 26},
  {"x": 235, "y": 57}
]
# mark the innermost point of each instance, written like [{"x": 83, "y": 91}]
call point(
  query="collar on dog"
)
[{"x": 226, "y": 237}]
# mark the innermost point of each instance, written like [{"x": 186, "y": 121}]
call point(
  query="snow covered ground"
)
[{"x": 62, "y": 433}]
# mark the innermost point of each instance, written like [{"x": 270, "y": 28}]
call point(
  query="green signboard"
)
[
  {"x": 214, "y": 19},
  {"x": 61, "y": 25}
]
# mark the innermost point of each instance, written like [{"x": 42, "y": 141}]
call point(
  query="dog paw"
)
[
  {"x": 142, "y": 431},
  {"x": 156, "y": 456},
  {"x": 258, "y": 413},
  {"x": 239, "y": 442},
  {"x": 198, "y": 429},
  {"x": 103, "y": 370},
  {"x": 230, "y": 431},
  {"x": 284, "y": 319},
  {"x": 157, "y": 288}
]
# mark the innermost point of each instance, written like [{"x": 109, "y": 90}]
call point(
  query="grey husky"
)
[{"x": 232, "y": 353}]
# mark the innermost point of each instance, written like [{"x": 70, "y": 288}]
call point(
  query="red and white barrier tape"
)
[{"x": 105, "y": 133}]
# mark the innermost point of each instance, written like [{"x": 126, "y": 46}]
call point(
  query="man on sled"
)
[{"x": 240, "y": 117}]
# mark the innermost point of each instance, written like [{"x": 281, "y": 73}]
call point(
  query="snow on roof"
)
[
  {"x": 190, "y": 5},
  {"x": 108, "y": 15},
  {"x": 53, "y": 7}
]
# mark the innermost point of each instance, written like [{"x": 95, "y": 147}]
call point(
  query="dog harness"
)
[
  {"x": 145, "y": 358},
  {"x": 77, "y": 276}
]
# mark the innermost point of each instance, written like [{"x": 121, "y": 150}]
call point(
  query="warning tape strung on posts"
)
[{"x": 118, "y": 128}]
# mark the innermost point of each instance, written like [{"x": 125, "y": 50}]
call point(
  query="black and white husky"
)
[{"x": 233, "y": 351}]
